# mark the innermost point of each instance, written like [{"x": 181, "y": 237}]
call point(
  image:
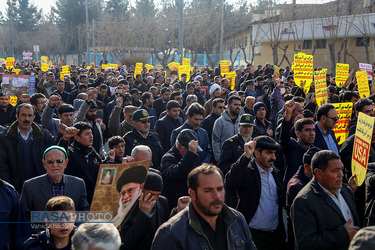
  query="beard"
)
[
  {"x": 206, "y": 209},
  {"x": 124, "y": 209},
  {"x": 91, "y": 118}
]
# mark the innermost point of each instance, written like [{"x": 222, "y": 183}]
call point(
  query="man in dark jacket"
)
[
  {"x": 141, "y": 135},
  {"x": 161, "y": 104},
  {"x": 5, "y": 109},
  {"x": 193, "y": 227},
  {"x": 262, "y": 126},
  {"x": 177, "y": 163},
  {"x": 208, "y": 123},
  {"x": 168, "y": 123},
  {"x": 21, "y": 148}
]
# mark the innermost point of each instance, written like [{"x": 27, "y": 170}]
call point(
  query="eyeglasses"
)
[
  {"x": 335, "y": 119},
  {"x": 146, "y": 121},
  {"x": 59, "y": 161},
  {"x": 220, "y": 107},
  {"x": 130, "y": 192}
]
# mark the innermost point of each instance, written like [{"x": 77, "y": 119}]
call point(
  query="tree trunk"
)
[
  {"x": 331, "y": 47},
  {"x": 274, "y": 53}
]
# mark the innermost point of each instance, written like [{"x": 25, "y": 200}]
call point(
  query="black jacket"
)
[
  {"x": 164, "y": 128},
  {"x": 5, "y": 117},
  {"x": 319, "y": 140},
  {"x": 43, "y": 241},
  {"x": 159, "y": 106},
  {"x": 231, "y": 151},
  {"x": 208, "y": 125}
]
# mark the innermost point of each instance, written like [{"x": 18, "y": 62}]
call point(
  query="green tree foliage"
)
[
  {"x": 26, "y": 16},
  {"x": 117, "y": 8}
]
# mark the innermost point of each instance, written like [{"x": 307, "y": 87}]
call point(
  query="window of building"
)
[
  {"x": 307, "y": 44},
  {"x": 321, "y": 43},
  {"x": 361, "y": 41}
]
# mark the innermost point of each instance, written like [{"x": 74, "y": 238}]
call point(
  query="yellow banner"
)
[
  {"x": 186, "y": 61},
  {"x": 148, "y": 66},
  {"x": 231, "y": 76},
  {"x": 50, "y": 63},
  {"x": 344, "y": 113},
  {"x": 65, "y": 68},
  {"x": 224, "y": 67},
  {"x": 64, "y": 73},
  {"x": 16, "y": 70},
  {"x": 185, "y": 69},
  {"x": 303, "y": 71},
  {"x": 277, "y": 71},
  {"x": 9, "y": 62},
  {"x": 45, "y": 67},
  {"x": 138, "y": 69},
  {"x": 363, "y": 87},
  {"x": 44, "y": 59},
  {"x": 342, "y": 72},
  {"x": 361, "y": 147},
  {"x": 321, "y": 87},
  {"x": 113, "y": 65},
  {"x": 173, "y": 66},
  {"x": 104, "y": 66},
  {"x": 13, "y": 100}
]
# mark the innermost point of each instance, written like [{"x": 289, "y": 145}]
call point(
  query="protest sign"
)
[
  {"x": 16, "y": 70},
  {"x": 105, "y": 66},
  {"x": 24, "y": 84},
  {"x": 185, "y": 69},
  {"x": 45, "y": 67},
  {"x": 186, "y": 61},
  {"x": 303, "y": 71},
  {"x": 231, "y": 76},
  {"x": 44, "y": 59},
  {"x": 363, "y": 87},
  {"x": 62, "y": 74},
  {"x": 148, "y": 66},
  {"x": 368, "y": 68},
  {"x": 342, "y": 72},
  {"x": 9, "y": 62},
  {"x": 344, "y": 113},
  {"x": 27, "y": 55},
  {"x": 277, "y": 71},
  {"x": 138, "y": 69},
  {"x": 361, "y": 147},
  {"x": 13, "y": 100},
  {"x": 224, "y": 67},
  {"x": 65, "y": 68},
  {"x": 320, "y": 87}
]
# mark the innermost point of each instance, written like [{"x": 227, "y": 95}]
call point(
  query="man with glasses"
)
[
  {"x": 37, "y": 191},
  {"x": 38, "y": 101},
  {"x": 141, "y": 135},
  {"x": 326, "y": 120}
]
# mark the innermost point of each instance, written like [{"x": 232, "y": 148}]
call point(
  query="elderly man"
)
[
  {"x": 215, "y": 92},
  {"x": 207, "y": 222},
  {"x": 37, "y": 191},
  {"x": 323, "y": 213}
]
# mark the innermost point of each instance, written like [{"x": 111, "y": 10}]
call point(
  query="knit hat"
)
[
  {"x": 257, "y": 106},
  {"x": 154, "y": 182},
  {"x": 214, "y": 87}
]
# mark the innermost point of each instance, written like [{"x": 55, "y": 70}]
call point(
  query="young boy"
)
[
  {"x": 116, "y": 152},
  {"x": 58, "y": 234}
]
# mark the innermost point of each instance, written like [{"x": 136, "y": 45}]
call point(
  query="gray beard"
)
[{"x": 124, "y": 210}]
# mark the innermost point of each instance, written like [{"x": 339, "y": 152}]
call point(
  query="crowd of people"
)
[{"x": 248, "y": 164}]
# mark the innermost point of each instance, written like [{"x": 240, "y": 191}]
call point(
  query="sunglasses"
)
[
  {"x": 59, "y": 161},
  {"x": 220, "y": 107},
  {"x": 146, "y": 121}
]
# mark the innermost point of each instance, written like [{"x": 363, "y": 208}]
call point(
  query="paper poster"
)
[
  {"x": 231, "y": 76},
  {"x": 361, "y": 147},
  {"x": 9, "y": 62},
  {"x": 45, "y": 67},
  {"x": 303, "y": 71},
  {"x": 362, "y": 82},
  {"x": 13, "y": 100},
  {"x": 368, "y": 68},
  {"x": 277, "y": 71},
  {"x": 224, "y": 67},
  {"x": 184, "y": 69},
  {"x": 320, "y": 87},
  {"x": 106, "y": 195},
  {"x": 65, "y": 68},
  {"x": 138, "y": 69},
  {"x": 342, "y": 72},
  {"x": 148, "y": 66},
  {"x": 344, "y": 113},
  {"x": 44, "y": 59},
  {"x": 113, "y": 65},
  {"x": 27, "y": 55},
  {"x": 50, "y": 63},
  {"x": 2, "y": 60},
  {"x": 16, "y": 70},
  {"x": 24, "y": 84},
  {"x": 173, "y": 66},
  {"x": 104, "y": 66},
  {"x": 62, "y": 74},
  {"x": 186, "y": 61}
]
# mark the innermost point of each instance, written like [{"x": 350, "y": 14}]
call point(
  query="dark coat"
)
[
  {"x": 10, "y": 160},
  {"x": 138, "y": 229},
  {"x": 5, "y": 117},
  {"x": 43, "y": 241},
  {"x": 295, "y": 184},
  {"x": 260, "y": 128},
  {"x": 208, "y": 125},
  {"x": 231, "y": 151},
  {"x": 319, "y": 140},
  {"x": 164, "y": 128},
  {"x": 175, "y": 169},
  {"x": 318, "y": 222},
  {"x": 244, "y": 180},
  {"x": 134, "y": 138},
  {"x": 159, "y": 106}
]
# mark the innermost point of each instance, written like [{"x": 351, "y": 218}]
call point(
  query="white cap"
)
[{"x": 214, "y": 87}]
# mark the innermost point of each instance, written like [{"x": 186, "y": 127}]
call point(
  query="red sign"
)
[
  {"x": 361, "y": 151},
  {"x": 27, "y": 55}
]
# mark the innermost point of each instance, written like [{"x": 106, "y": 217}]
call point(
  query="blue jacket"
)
[
  {"x": 184, "y": 231},
  {"x": 203, "y": 141}
]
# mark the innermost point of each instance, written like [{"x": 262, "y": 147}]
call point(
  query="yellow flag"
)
[{"x": 44, "y": 59}]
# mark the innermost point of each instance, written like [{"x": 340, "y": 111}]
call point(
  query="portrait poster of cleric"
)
[{"x": 112, "y": 182}]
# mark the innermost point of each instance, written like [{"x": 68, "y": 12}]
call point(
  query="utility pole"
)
[
  {"x": 87, "y": 34},
  {"x": 222, "y": 30},
  {"x": 93, "y": 40},
  {"x": 181, "y": 32},
  {"x": 11, "y": 4}
]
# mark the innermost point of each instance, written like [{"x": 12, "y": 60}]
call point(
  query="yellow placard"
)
[
  {"x": 361, "y": 147},
  {"x": 344, "y": 113},
  {"x": 50, "y": 63},
  {"x": 13, "y": 100},
  {"x": 44, "y": 59},
  {"x": 138, "y": 69},
  {"x": 231, "y": 76},
  {"x": 184, "y": 69},
  {"x": 65, "y": 68},
  {"x": 321, "y": 87},
  {"x": 148, "y": 66},
  {"x": 303, "y": 71},
  {"x": 363, "y": 87},
  {"x": 104, "y": 66},
  {"x": 62, "y": 74},
  {"x": 224, "y": 67},
  {"x": 45, "y": 67},
  {"x": 16, "y": 70},
  {"x": 342, "y": 72},
  {"x": 9, "y": 62},
  {"x": 113, "y": 65},
  {"x": 173, "y": 66},
  {"x": 186, "y": 61},
  {"x": 276, "y": 71}
]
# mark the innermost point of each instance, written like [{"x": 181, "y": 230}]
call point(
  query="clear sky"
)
[{"x": 46, "y": 4}]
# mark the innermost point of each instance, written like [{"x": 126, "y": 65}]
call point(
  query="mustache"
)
[
  {"x": 26, "y": 122},
  {"x": 217, "y": 202}
]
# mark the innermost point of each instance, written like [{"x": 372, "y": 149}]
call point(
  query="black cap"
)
[
  {"x": 185, "y": 136},
  {"x": 127, "y": 97},
  {"x": 309, "y": 155},
  {"x": 140, "y": 115},
  {"x": 134, "y": 91},
  {"x": 266, "y": 142},
  {"x": 154, "y": 182},
  {"x": 135, "y": 174}
]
